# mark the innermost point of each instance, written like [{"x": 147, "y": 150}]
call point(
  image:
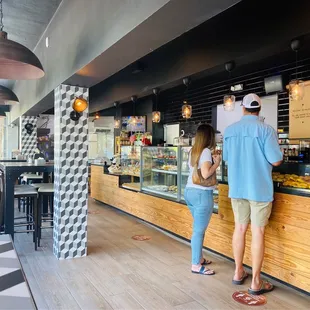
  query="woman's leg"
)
[{"x": 203, "y": 206}]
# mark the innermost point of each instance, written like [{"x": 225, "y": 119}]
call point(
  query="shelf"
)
[
  {"x": 132, "y": 175},
  {"x": 165, "y": 171},
  {"x": 167, "y": 194},
  {"x": 132, "y": 186}
]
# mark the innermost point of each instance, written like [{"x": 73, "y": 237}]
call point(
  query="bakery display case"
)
[
  {"x": 292, "y": 178},
  {"x": 184, "y": 169},
  {"x": 159, "y": 173},
  {"x": 130, "y": 158},
  {"x": 165, "y": 172}
]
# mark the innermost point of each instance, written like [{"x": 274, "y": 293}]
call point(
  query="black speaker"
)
[{"x": 273, "y": 84}]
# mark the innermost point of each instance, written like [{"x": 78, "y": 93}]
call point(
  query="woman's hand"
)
[{"x": 217, "y": 159}]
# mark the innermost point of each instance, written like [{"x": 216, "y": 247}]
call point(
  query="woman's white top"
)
[{"x": 206, "y": 156}]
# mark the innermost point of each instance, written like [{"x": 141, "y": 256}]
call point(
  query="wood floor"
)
[{"x": 120, "y": 273}]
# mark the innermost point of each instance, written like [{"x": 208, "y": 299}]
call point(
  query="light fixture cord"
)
[
  {"x": 1, "y": 16},
  {"x": 296, "y": 73}
]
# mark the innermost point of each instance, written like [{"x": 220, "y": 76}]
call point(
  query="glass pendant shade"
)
[
  {"x": 296, "y": 90},
  {"x": 155, "y": 116},
  {"x": 7, "y": 97},
  {"x": 17, "y": 62},
  {"x": 117, "y": 123},
  {"x": 229, "y": 102},
  {"x": 186, "y": 110},
  {"x": 80, "y": 105},
  {"x": 97, "y": 116}
]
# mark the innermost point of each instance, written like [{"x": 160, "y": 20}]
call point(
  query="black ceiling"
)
[{"x": 254, "y": 33}]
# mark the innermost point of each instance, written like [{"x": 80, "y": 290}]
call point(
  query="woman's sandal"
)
[
  {"x": 262, "y": 289},
  {"x": 241, "y": 280},
  {"x": 206, "y": 262},
  {"x": 204, "y": 271}
]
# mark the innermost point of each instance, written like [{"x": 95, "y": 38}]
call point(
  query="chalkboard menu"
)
[{"x": 300, "y": 116}]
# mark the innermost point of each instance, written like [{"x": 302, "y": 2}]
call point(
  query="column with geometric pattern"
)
[
  {"x": 71, "y": 175},
  {"x": 28, "y": 139}
]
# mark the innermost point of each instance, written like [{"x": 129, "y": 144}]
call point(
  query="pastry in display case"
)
[
  {"x": 160, "y": 171},
  {"x": 294, "y": 177},
  {"x": 130, "y": 160}
]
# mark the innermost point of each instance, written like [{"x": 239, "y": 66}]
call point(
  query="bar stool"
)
[
  {"x": 45, "y": 190},
  {"x": 31, "y": 195},
  {"x": 32, "y": 178}
]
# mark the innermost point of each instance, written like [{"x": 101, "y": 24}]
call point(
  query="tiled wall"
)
[
  {"x": 28, "y": 142},
  {"x": 71, "y": 175}
]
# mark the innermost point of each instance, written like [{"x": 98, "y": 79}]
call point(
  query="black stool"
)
[
  {"x": 30, "y": 194},
  {"x": 45, "y": 190}
]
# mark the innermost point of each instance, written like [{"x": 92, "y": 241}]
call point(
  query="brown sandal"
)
[
  {"x": 241, "y": 280},
  {"x": 262, "y": 289}
]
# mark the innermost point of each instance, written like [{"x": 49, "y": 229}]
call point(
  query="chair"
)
[
  {"x": 30, "y": 195},
  {"x": 45, "y": 190}
]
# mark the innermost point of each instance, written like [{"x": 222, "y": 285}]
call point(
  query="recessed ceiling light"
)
[{"x": 46, "y": 42}]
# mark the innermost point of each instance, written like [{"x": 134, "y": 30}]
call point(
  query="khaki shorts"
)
[{"x": 259, "y": 212}]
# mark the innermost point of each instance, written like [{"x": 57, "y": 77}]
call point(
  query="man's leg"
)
[
  {"x": 260, "y": 213},
  {"x": 238, "y": 248},
  {"x": 242, "y": 211}
]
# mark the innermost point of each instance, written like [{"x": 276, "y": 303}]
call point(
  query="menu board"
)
[
  {"x": 300, "y": 116},
  {"x": 137, "y": 126},
  {"x": 269, "y": 113}
]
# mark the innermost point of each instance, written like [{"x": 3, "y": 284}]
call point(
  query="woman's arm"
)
[{"x": 207, "y": 169}]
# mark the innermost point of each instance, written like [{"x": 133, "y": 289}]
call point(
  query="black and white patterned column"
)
[
  {"x": 28, "y": 141},
  {"x": 71, "y": 175}
]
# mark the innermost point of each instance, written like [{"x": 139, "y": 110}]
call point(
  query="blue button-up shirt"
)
[{"x": 250, "y": 147}]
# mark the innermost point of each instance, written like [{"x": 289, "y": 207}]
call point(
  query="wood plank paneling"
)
[{"x": 287, "y": 234}]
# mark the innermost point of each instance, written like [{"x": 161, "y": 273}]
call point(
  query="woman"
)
[{"x": 199, "y": 198}]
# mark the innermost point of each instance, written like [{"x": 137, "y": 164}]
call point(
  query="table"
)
[
  {"x": 13, "y": 160},
  {"x": 11, "y": 171},
  {"x": 14, "y": 289}
]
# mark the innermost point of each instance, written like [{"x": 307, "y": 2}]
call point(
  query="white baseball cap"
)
[{"x": 251, "y": 101}]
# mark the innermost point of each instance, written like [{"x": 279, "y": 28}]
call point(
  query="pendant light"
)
[
  {"x": 7, "y": 97},
  {"x": 79, "y": 106},
  {"x": 17, "y": 62},
  {"x": 296, "y": 87},
  {"x": 97, "y": 116},
  {"x": 156, "y": 113},
  {"x": 117, "y": 122},
  {"x": 229, "y": 100},
  {"x": 186, "y": 108}
]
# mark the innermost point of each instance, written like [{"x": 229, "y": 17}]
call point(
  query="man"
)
[{"x": 251, "y": 149}]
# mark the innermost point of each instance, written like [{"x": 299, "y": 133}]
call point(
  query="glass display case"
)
[
  {"x": 159, "y": 173},
  {"x": 130, "y": 160},
  {"x": 130, "y": 167},
  {"x": 165, "y": 172},
  {"x": 292, "y": 178},
  {"x": 184, "y": 169}
]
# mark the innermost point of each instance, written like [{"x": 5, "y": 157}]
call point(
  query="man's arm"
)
[{"x": 272, "y": 149}]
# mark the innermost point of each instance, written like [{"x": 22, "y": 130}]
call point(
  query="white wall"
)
[{"x": 269, "y": 111}]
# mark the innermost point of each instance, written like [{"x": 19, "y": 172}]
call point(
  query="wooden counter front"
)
[{"x": 287, "y": 255}]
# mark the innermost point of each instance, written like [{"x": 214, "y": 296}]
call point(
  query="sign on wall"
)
[{"x": 300, "y": 116}]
